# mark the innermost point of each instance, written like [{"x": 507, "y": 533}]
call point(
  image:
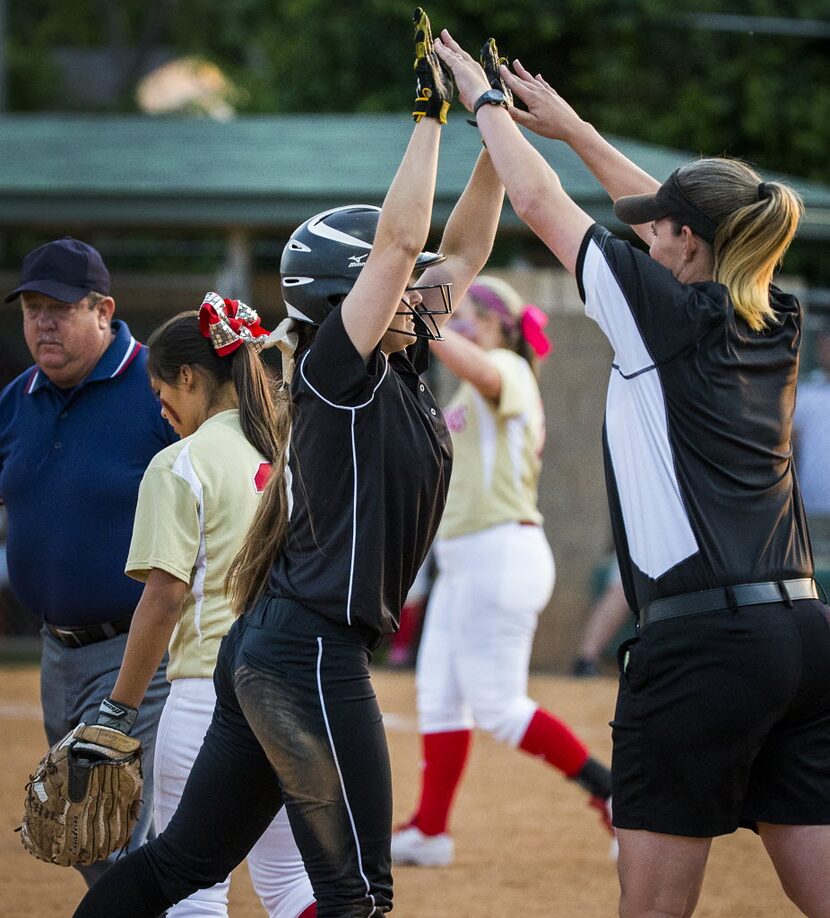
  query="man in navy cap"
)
[{"x": 77, "y": 431}]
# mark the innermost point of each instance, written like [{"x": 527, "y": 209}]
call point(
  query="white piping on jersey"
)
[
  {"x": 353, "y": 409},
  {"x": 183, "y": 467},
  {"x": 515, "y": 433},
  {"x": 354, "y": 523},
  {"x": 334, "y": 404},
  {"x": 486, "y": 436},
  {"x": 657, "y": 526},
  {"x": 124, "y": 359},
  {"x": 340, "y": 776},
  {"x": 288, "y": 477}
]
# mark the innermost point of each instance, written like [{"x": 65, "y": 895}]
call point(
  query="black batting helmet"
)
[{"x": 324, "y": 256}]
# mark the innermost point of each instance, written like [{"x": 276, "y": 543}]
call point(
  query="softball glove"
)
[{"x": 83, "y": 800}]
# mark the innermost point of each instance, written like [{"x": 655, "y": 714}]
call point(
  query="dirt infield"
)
[{"x": 526, "y": 842}]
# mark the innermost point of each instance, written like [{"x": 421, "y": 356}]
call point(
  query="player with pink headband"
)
[{"x": 495, "y": 570}]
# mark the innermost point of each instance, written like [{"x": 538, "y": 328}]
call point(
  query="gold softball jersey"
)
[
  {"x": 195, "y": 503},
  {"x": 498, "y": 451}
]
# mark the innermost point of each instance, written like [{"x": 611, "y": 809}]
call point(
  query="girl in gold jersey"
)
[
  {"x": 495, "y": 570},
  {"x": 195, "y": 503}
]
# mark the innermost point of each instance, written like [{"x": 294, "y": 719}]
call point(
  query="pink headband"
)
[
  {"x": 493, "y": 302},
  {"x": 229, "y": 323},
  {"x": 532, "y": 321}
]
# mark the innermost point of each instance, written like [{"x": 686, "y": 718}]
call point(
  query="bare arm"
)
[
  {"x": 470, "y": 232},
  {"x": 155, "y": 617},
  {"x": 533, "y": 187},
  {"x": 468, "y": 361},
  {"x": 401, "y": 235},
  {"x": 549, "y": 115}
]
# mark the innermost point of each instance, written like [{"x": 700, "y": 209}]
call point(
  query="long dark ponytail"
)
[{"x": 248, "y": 574}]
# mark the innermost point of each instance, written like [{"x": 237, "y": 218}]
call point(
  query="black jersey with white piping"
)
[
  {"x": 369, "y": 467},
  {"x": 697, "y": 436}
]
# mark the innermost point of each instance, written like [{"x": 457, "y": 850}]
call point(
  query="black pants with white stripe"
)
[{"x": 296, "y": 722}]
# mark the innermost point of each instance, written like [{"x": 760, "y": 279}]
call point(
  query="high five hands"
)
[{"x": 548, "y": 114}]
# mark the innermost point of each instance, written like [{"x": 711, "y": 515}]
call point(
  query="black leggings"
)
[{"x": 296, "y": 721}]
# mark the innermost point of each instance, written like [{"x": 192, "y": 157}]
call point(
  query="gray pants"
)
[{"x": 73, "y": 682}]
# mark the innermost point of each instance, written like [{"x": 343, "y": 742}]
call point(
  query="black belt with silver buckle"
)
[
  {"x": 742, "y": 594},
  {"x": 81, "y": 635}
]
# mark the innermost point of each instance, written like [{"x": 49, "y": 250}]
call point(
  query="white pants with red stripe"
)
[
  {"x": 480, "y": 622},
  {"x": 274, "y": 863}
]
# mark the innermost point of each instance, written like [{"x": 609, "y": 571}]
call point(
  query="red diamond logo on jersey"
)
[{"x": 263, "y": 473}]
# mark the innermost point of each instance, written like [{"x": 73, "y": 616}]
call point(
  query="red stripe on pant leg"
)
[
  {"x": 555, "y": 742},
  {"x": 445, "y": 755}
]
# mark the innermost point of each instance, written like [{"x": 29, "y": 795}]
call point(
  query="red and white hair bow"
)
[{"x": 229, "y": 324}]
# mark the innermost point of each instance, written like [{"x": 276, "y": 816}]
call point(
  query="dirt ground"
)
[{"x": 526, "y": 843}]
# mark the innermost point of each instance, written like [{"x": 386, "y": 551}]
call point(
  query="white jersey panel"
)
[
  {"x": 656, "y": 522},
  {"x": 606, "y": 304},
  {"x": 183, "y": 467},
  {"x": 488, "y": 438}
]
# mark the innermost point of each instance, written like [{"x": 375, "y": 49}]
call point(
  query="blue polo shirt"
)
[{"x": 71, "y": 461}]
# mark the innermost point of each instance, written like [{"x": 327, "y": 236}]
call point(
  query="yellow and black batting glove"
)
[
  {"x": 490, "y": 61},
  {"x": 435, "y": 85}
]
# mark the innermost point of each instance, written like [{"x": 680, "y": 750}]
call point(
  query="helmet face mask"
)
[
  {"x": 436, "y": 301},
  {"x": 324, "y": 257}
]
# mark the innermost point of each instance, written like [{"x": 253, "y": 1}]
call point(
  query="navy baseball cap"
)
[{"x": 66, "y": 269}]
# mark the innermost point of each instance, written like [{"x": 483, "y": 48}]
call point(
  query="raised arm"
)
[
  {"x": 549, "y": 115},
  {"x": 469, "y": 233},
  {"x": 533, "y": 187},
  {"x": 466, "y": 360},
  {"x": 407, "y": 209}
]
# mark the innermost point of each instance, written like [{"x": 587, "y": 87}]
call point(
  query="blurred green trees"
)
[{"x": 638, "y": 68}]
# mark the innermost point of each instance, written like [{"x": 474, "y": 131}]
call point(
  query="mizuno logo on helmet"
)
[{"x": 357, "y": 261}]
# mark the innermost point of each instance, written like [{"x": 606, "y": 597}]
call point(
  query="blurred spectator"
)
[
  {"x": 607, "y": 617},
  {"x": 812, "y": 451}
]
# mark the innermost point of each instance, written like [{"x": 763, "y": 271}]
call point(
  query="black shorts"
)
[{"x": 723, "y": 720}]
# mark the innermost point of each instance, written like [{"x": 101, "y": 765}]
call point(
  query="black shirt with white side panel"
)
[
  {"x": 698, "y": 456},
  {"x": 368, "y": 471}
]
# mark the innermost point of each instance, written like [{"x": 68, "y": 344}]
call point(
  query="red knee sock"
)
[
  {"x": 555, "y": 742},
  {"x": 445, "y": 755},
  {"x": 402, "y": 645}
]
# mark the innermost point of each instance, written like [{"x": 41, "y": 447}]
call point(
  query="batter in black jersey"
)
[
  {"x": 723, "y": 715},
  {"x": 341, "y": 530}
]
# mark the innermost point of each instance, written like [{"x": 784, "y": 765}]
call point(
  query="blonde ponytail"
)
[{"x": 756, "y": 224}]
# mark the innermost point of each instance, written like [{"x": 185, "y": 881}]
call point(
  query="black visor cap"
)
[{"x": 668, "y": 201}]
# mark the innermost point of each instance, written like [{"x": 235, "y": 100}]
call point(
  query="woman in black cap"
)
[{"x": 723, "y": 714}]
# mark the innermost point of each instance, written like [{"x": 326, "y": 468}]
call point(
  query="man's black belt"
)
[
  {"x": 81, "y": 635},
  {"x": 742, "y": 594}
]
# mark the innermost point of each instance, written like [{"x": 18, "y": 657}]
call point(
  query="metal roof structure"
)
[{"x": 260, "y": 173}]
